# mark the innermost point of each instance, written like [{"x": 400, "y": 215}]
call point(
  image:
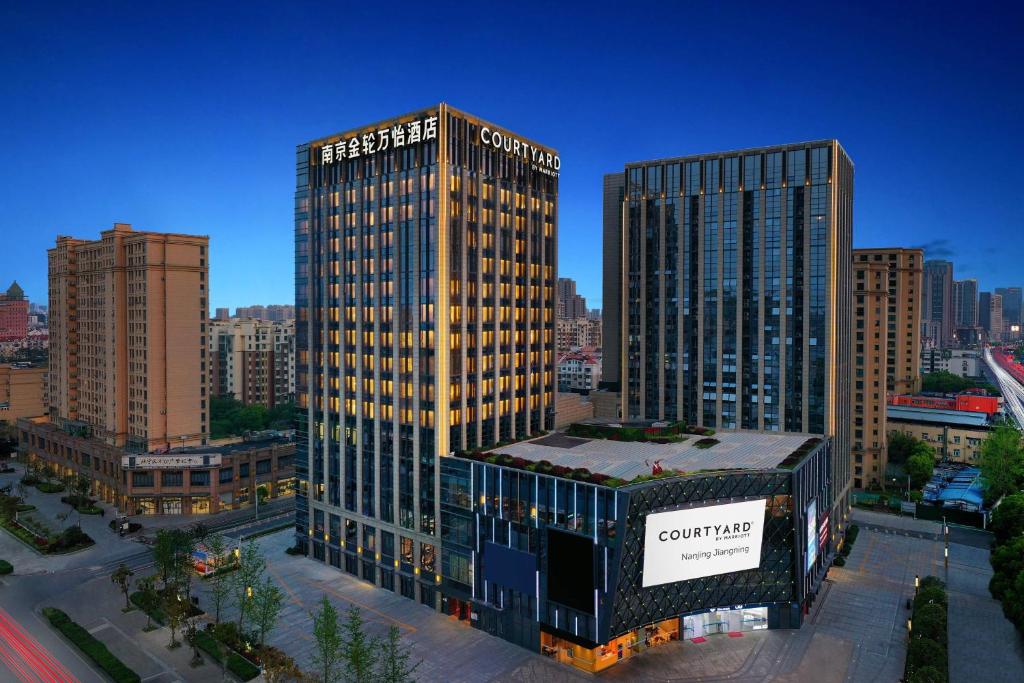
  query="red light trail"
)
[{"x": 29, "y": 661}]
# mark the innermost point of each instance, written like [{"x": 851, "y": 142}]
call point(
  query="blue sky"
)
[{"x": 185, "y": 118}]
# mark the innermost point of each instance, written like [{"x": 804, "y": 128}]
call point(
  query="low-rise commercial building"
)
[
  {"x": 955, "y": 435},
  {"x": 577, "y": 549},
  {"x": 193, "y": 480}
]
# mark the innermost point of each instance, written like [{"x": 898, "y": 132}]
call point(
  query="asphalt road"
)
[
  {"x": 31, "y": 651},
  {"x": 1013, "y": 391}
]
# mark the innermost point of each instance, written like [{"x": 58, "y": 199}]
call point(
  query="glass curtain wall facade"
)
[
  {"x": 425, "y": 273},
  {"x": 736, "y": 282}
]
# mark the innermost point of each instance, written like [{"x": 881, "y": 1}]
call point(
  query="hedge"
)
[
  {"x": 92, "y": 647},
  {"x": 237, "y": 664},
  {"x": 6, "y": 567},
  {"x": 927, "y": 654},
  {"x": 47, "y": 487}
]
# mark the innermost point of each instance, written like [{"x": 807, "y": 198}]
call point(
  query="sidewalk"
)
[
  {"x": 983, "y": 644},
  {"x": 108, "y": 545},
  {"x": 99, "y": 611}
]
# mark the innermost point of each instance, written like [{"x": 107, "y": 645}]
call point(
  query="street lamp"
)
[
  {"x": 910, "y": 625},
  {"x": 917, "y": 583},
  {"x": 248, "y": 592}
]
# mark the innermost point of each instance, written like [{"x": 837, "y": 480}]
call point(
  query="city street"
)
[
  {"x": 854, "y": 632},
  {"x": 31, "y": 651},
  {"x": 1013, "y": 391}
]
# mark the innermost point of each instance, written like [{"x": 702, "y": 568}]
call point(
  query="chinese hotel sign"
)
[
  {"x": 170, "y": 461},
  {"x": 410, "y": 133},
  {"x": 389, "y": 137}
]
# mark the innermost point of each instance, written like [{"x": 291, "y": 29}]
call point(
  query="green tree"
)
[
  {"x": 930, "y": 595},
  {"x": 122, "y": 577},
  {"x": 1013, "y": 600},
  {"x": 900, "y": 447},
  {"x": 148, "y": 599},
  {"x": 1008, "y": 518},
  {"x": 1007, "y": 562},
  {"x": 1002, "y": 462},
  {"x": 919, "y": 466},
  {"x": 267, "y": 603},
  {"x": 930, "y": 622},
  {"x": 282, "y": 416},
  {"x": 172, "y": 553},
  {"x": 246, "y": 578},
  {"x": 359, "y": 649},
  {"x": 947, "y": 383},
  {"x": 928, "y": 674},
  {"x": 393, "y": 665},
  {"x": 177, "y": 610},
  {"x": 252, "y": 418},
  {"x": 923, "y": 652},
  {"x": 220, "y": 582},
  {"x": 328, "y": 643}
]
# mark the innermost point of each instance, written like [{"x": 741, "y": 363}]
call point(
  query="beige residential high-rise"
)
[
  {"x": 253, "y": 361},
  {"x": 128, "y": 316},
  {"x": 887, "y": 336},
  {"x": 871, "y": 300}
]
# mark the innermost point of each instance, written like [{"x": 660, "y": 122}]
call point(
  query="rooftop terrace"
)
[{"x": 627, "y": 460}]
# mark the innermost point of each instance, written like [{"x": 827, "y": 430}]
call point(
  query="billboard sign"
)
[
  {"x": 812, "y": 533},
  {"x": 680, "y": 545},
  {"x": 170, "y": 461}
]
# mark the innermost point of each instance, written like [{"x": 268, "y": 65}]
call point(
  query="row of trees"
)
[
  {"x": 945, "y": 382},
  {"x": 1007, "y": 558},
  {"x": 345, "y": 652},
  {"x": 231, "y": 417},
  {"x": 1002, "y": 463},
  {"x": 927, "y": 653}
]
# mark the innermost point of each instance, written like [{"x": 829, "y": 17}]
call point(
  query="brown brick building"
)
[
  {"x": 887, "y": 339},
  {"x": 128, "y": 337},
  {"x": 21, "y": 391},
  {"x": 194, "y": 480}
]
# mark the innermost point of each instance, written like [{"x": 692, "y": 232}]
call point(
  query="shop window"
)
[
  {"x": 142, "y": 479},
  {"x": 171, "y": 478}
]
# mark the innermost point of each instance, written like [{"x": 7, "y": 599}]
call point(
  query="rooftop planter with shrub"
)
[
  {"x": 672, "y": 433},
  {"x": 794, "y": 458}
]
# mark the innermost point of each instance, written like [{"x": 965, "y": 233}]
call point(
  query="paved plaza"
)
[{"x": 855, "y": 631}]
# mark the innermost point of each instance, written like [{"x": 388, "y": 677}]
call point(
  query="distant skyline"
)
[{"x": 185, "y": 118}]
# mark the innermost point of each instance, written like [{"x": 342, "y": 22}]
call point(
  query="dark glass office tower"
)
[
  {"x": 736, "y": 282},
  {"x": 425, "y": 251}
]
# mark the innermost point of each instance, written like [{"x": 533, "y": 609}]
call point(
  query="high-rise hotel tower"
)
[
  {"x": 733, "y": 296},
  {"x": 425, "y": 250}
]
